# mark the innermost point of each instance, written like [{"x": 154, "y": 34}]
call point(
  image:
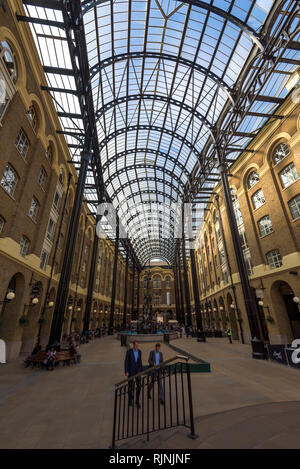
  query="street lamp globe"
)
[
  {"x": 51, "y": 304},
  {"x": 10, "y": 296},
  {"x": 232, "y": 306},
  {"x": 260, "y": 303},
  {"x": 296, "y": 300},
  {"x": 35, "y": 301}
]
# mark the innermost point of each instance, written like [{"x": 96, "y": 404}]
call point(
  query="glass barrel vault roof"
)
[{"x": 161, "y": 73}]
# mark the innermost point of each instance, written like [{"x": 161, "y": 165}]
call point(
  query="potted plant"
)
[{"x": 41, "y": 321}]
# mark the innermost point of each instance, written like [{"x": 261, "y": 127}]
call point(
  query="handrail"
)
[{"x": 144, "y": 372}]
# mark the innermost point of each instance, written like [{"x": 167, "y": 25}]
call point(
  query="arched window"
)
[
  {"x": 8, "y": 58},
  {"x": 49, "y": 154},
  {"x": 61, "y": 177},
  {"x": 168, "y": 282},
  {"x": 2, "y": 223},
  {"x": 8, "y": 75},
  {"x": 32, "y": 117},
  {"x": 253, "y": 179},
  {"x": 233, "y": 195},
  {"x": 265, "y": 225},
  {"x": 156, "y": 281},
  {"x": 280, "y": 152}
]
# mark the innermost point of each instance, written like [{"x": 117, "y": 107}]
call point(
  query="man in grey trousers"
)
[{"x": 155, "y": 359}]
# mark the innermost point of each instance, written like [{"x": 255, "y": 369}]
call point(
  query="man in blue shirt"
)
[
  {"x": 155, "y": 359},
  {"x": 133, "y": 366}
]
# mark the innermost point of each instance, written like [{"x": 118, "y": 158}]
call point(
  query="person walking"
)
[
  {"x": 155, "y": 359},
  {"x": 133, "y": 366},
  {"x": 229, "y": 334}
]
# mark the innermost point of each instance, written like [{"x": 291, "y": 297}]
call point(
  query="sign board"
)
[
  {"x": 277, "y": 353},
  {"x": 35, "y": 290}
]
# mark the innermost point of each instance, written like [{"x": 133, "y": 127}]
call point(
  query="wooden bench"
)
[{"x": 61, "y": 357}]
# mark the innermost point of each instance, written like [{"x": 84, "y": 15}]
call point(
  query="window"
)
[
  {"x": 49, "y": 154},
  {"x": 253, "y": 179},
  {"x": 238, "y": 216},
  {"x": 168, "y": 298},
  {"x": 288, "y": 175},
  {"x": 156, "y": 281},
  {"x": 233, "y": 195},
  {"x": 168, "y": 282},
  {"x": 24, "y": 246},
  {"x": 265, "y": 226},
  {"x": 32, "y": 117},
  {"x": 157, "y": 300},
  {"x": 2, "y": 223},
  {"x": 294, "y": 206},
  {"x": 222, "y": 256},
  {"x": 56, "y": 201},
  {"x": 216, "y": 260},
  {"x": 258, "y": 199},
  {"x": 50, "y": 230},
  {"x": 248, "y": 261},
  {"x": 280, "y": 152},
  {"x": 86, "y": 249},
  {"x": 22, "y": 144},
  {"x": 44, "y": 260},
  {"x": 9, "y": 180},
  {"x": 61, "y": 177},
  {"x": 42, "y": 178},
  {"x": 83, "y": 267},
  {"x": 8, "y": 59},
  {"x": 34, "y": 209},
  {"x": 243, "y": 239},
  {"x": 274, "y": 259}
]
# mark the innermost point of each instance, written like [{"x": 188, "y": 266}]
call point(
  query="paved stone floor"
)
[{"x": 242, "y": 403}]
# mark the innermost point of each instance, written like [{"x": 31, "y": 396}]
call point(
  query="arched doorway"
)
[
  {"x": 46, "y": 320},
  {"x": 11, "y": 311},
  {"x": 216, "y": 314},
  {"x": 30, "y": 317},
  {"x": 232, "y": 318},
  {"x": 287, "y": 311},
  {"x": 223, "y": 313}
]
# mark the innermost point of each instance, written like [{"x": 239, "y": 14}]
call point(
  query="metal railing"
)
[{"x": 164, "y": 396}]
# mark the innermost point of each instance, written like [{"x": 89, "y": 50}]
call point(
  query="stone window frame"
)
[
  {"x": 34, "y": 209},
  {"x": 50, "y": 234},
  {"x": 24, "y": 246},
  {"x": 22, "y": 144},
  {"x": 254, "y": 196},
  {"x": 287, "y": 153},
  {"x": 297, "y": 206},
  {"x": 288, "y": 170},
  {"x": 262, "y": 230},
  {"x": 33, "y": 117},
  {"x": 44, "y": 259},
  {"x": 9, "y": 185},
  {"x": 9, "y": 78},
  {"x": 43, "y": 177},
  {"x": 274, "y": 259},
  {"x": 252, "y": 182}
]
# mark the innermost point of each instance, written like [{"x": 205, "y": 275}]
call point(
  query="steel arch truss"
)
[{"x": 162, "y": 106}]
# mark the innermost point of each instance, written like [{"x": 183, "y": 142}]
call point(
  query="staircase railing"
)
[{"x": 164, "y": 396}]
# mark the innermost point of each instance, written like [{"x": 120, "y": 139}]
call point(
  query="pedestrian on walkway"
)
[
  {"x": 229, "y": 334},
  {"x": 133, "y": 366},
  {"x": 155, "y": 359}
]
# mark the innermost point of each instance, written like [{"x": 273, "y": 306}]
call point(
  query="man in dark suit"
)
[
  {"x": 155, "y": 359},
  {"x": 133, "y": 365}
]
